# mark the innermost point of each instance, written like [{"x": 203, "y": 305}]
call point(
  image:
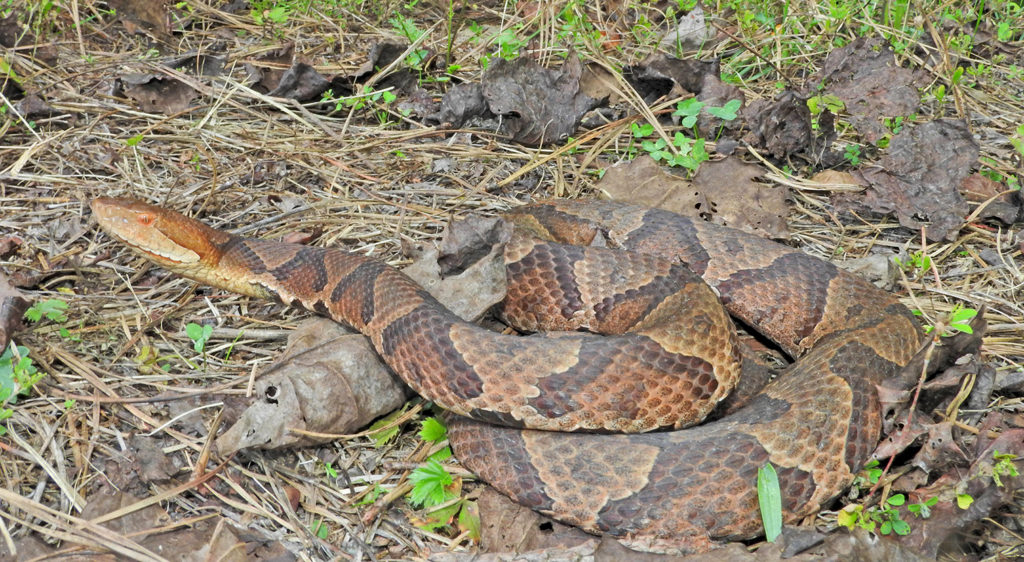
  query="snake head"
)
[{"x": 169, "y": 239}]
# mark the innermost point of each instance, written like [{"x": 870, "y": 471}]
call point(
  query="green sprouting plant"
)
[
  {"x": 869, "y": 474},
  {"x": 384, "y": 430},
  {"x": 436, "y": 490},
  {"x": 957, "y": 76},
  {"x": 264, "y": 12},
  {"x": 895, "y": 124},
  {"x": 959, "y": 320},
  {"x": 923, "y": 509},
  {"x": 149, "y": 359},
  {"x": 1003, "y": 467},
  {"x": 509, "y": 44},
  {"x": 852, "y": 154},
  {"x": 641, "y": 131},
  {"x": 431, "y": 481},
  {"x": 886, "y": 518},
  {"x": 689, "y": 152},
  {"x": 17, "y": 377},
  {"x": 1017, "y": 140},
  {"x": 52, "y": 309},
  {"x": 199, "y": 335},
  {"x": 372, "y": 496},
  {"x": 406, "y": 27},
  {"x": 320, "y": 529},
  {"x": 685, "y": 151},
  {"x": 688, "y": 110},
  {"x": 917, "y": 261},
  {"x": 430, "y": 485},
  {"x": 769, "y": 499}
]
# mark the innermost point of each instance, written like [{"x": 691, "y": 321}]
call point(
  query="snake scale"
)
[{"x": 682, "y": 490}]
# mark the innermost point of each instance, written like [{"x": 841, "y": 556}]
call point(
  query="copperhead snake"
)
[{"x": 675, "y": 491}]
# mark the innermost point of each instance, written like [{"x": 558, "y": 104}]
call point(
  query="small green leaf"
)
[
  {"x": 134, "y": 140},
  {"x": 381, "y": 436},
  {"x": 52, "y": 309},
  {"x": 688, "y": 107},
  {"x": 769, "y": 498},
  {"x": 433, "y": 430},
  {"x": 469, "y": 519},
  {"x": 964, "y": 501},
  {"x": 440, "y": 517},
  {"x": 372, "y": 496},
  {"x": 428, "y": 485},
  {"x": 442, "y": 455},
  {"x": 848, "y": 516},
  {"x": 897, "y": 500},
  {"x": 641, "y": 131},
  {"x": 901, "y": 527},
  {"x": 962, "y": 315},
  {"x": 726, "y": 112},
  {"x": 320, "y": 529}
]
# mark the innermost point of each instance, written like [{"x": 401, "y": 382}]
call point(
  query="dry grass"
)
[{"x": 269, "y": 167}]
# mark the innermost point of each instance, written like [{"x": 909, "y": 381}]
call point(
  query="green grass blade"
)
[{"x": 769, "y": 497}]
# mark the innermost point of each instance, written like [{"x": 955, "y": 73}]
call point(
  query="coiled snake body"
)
[{"x": 673, "y": 491}]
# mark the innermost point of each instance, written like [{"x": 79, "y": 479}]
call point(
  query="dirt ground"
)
[{"x": 883, "y": 137}]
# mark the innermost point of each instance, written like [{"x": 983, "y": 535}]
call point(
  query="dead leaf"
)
[
  {"x": 864, "y": 74},
  {"x": 157, "y": 93},
  {"x": 329, "y": 380},
  {"x": 947, "y": 519},
  {"x": 381, "y": 54},
  {"x": 34, "y": 107},
  {"x": 537, "y": 106},
  {"x": 659, "y": 74},
  {"x": 462, "y": 103},
  {"x": 939, "y": 452},
  {"x": 836, "y": 178},
  {"x": 197, "y": 64},
  {"x": 880, "y": 269},
  {"x": 12, "y": 308},
  {"x": 782, "y": 127},
  {"x": 11, "y": 31},
  {"x": 645, "y": 182},
  {"x": 9, "y": 245},
  {"x": 302, "y": 83},
  {"x": 738, "y": 201},
  {"x": 106, "y": 499},
  {"x": 600, "y": 84},
  {"x": 265, "y": 71},
  {"x": 920, "y": 176},
  {"x": 1006, "y": 205},
  {"x": 690, "y": 34},
  {"x": 149, "y": 460},
  {"x": 506, "y": 526},
  {"x": 143, "y": 15}
]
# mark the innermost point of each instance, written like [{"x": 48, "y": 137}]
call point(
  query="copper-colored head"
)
[{"x": 170, "y": 239}]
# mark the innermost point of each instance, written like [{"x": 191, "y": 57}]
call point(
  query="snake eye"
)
[{"x": 146, "y": 219}]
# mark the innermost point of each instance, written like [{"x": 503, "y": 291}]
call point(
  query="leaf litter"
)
[{"x": 363, "y": 174}]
